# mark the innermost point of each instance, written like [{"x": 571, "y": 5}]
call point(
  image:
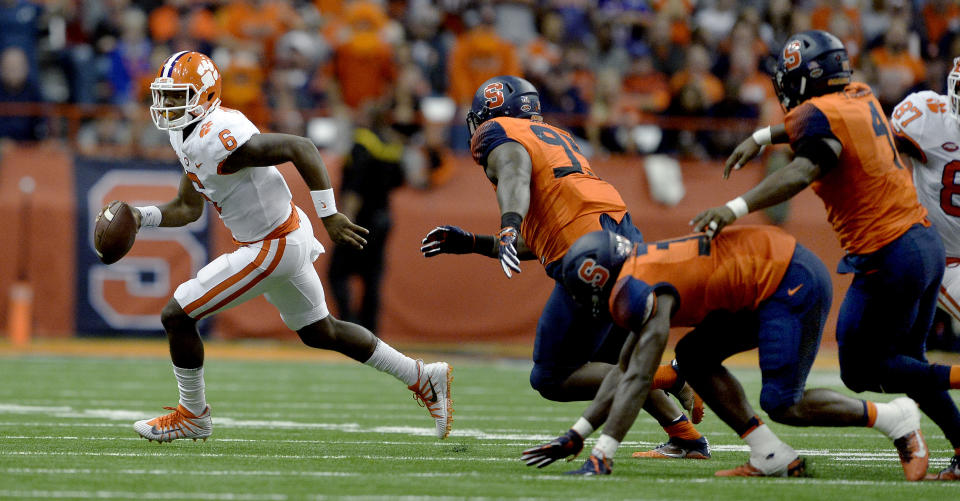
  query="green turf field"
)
[{"x": 301, "y": 430}]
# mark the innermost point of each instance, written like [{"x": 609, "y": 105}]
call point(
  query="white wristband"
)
[
  {"x": 739, "y": 207},
  {"x": 149, "y": 216},
  {"x": 763, "y": 136},
  {"x": 323, "y": 202}
]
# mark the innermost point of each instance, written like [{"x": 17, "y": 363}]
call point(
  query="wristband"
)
[
  {"x": 511, "y": 219},
  {"x": 582, "y": 427},
  {"x": 149, "y": 216},
  {"x": 484, "y": 244},
  {"x": 739, "y": 207},
  {"x": 763, "y": 136},
  {"x": 323, "y": 202}
]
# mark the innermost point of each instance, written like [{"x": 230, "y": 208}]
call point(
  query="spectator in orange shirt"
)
[
  {"x": 167, "y": 21},
  {"x": 243, "y": 79},
  {"x": 822, "y": 14},
  {"x": 644, "y": 91},
  {"x": 544, "y": 51},
  {"x": 939, "y": 18},
  {"x": 897, "y": 71},
  {"x": 364, "y": 63},
  {"x": 696, "y": 73},
  {"x": 477, "y": 55}
]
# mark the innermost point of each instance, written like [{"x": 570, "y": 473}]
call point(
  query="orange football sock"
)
[
  {"x": 665, "y": 378},
  {"x": 682, "y": 429},
  {"x": 954, "y": 377},
  {"x": 870, "y": 412}
]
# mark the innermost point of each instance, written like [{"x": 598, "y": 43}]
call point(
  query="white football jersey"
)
[
  {"x": 251, "y": 202},
  {"x": 923, "y": 118}
]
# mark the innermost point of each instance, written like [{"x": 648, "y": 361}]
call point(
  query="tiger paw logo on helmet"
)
[{"x": 186, "y": 89}]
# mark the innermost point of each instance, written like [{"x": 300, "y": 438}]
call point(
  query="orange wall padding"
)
[
  {"x": 448, "y": 299},
  {"x": 52, "y": 236}
]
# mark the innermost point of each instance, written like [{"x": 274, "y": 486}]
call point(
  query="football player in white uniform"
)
[
  {"x": 230, "y": 164},
  {"x": 927, "y": 129}
]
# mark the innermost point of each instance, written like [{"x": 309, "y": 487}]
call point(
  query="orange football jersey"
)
[
  {"x": 869, "y": 195},
  {"x": 737, "y": 270},
  {"x": 566, "y": 197}
]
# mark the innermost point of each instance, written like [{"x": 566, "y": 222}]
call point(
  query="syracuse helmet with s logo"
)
[
  {"x": 591, "y": 266},
  {"x": 186, "y": 88},
  {"x": 503, "y": 96},
  {"x": 812, "y": 63}
]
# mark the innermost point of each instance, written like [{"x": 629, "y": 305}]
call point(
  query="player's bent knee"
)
[
  {"x": 320, "y": 334},
  {"x": 857, "y": 378},
  {"x": 547, "y": 384},
  {"x": 174, "y": 319}
]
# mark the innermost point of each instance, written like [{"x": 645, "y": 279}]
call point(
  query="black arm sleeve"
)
[{"x": 819, "y": 152}]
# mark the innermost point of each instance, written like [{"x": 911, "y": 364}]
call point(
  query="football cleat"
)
[
  {"x": 678, "y": 448},
  {"x": 594, "y": 466},
  {"x": 432, "y": 390},
  {"x": 951, "y": 472},
  {"x": 914, "y": 455},
  {"x": 180, "y": 423},
  {"x": 796, "y": 468}
]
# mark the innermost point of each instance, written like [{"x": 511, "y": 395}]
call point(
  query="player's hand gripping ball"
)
[{"x": 114, "y": 231}]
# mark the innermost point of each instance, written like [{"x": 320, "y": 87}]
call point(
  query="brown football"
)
[{"x": 114, "y": 232}]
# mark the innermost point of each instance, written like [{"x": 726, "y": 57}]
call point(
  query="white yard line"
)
[{"x": 101, "y": 494}]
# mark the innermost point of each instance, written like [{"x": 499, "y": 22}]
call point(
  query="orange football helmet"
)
[{"x": 186, "y": 89}]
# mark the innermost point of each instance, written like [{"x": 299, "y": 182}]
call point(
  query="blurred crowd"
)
[{"x": 609, "y": 70}]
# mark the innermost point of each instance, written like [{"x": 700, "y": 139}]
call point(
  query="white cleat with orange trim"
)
[
  {"x": 433, "y": 390},
  {"x": 180, "y": 423}
]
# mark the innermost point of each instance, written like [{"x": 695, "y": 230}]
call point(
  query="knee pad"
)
[
  {"x": 858, "y": 378},
  {"x": 547, "y": 382}
]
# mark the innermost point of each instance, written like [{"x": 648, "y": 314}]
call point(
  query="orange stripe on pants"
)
[
  {"x": 273, "y": 265},
  {"x": 229, "y": 282},
  {"x": 949, "y": 303}
]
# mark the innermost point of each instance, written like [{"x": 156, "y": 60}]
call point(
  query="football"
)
[{"x": 114, "y": 232}]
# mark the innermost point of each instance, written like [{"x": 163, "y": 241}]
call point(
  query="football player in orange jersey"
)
[
  {"x": 845, "y": 152},
  {"x": 549, "y": 196},
  {"x": 227, "y": 162},
  {"x": 751, "y": 287}
]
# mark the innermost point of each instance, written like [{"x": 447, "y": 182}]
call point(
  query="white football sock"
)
[
  {"x": 888, "y": 418},
  {"x": 767, "y": 452},
  {"x": 894, "y": 419},
  {"x": 606, "y": 447},
  {"x": 190, "y": 383},
  {"x": 583, "y": 427},
  {"x": 386, "y": 359}
]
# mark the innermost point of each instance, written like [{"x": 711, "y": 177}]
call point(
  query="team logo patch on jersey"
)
[
  {"x": 950, "y": 146},
  {"x": 205, "y": 128}
]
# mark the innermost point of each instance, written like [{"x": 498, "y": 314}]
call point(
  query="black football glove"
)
[
  {"x": 568, "y": 444},
  {"x": 508, "y": 250},
  {"x": 447, "y": 240}
]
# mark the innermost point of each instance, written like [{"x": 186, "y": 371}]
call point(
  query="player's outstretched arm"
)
[
  {"x": 448, "y": 239},
  {"x": 638, "y": 363},
  {"x": 509, "y": 168},
  {"x": 184, "y": 209},
  {"x": 633, "y": 375},
  {"x": 263, "y": 150},
  {"x": 753, "y": 145},
  {"x": 775, "y": 188}
]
